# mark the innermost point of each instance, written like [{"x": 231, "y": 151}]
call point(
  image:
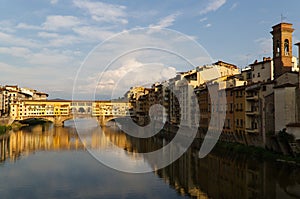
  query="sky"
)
[{"x": 90, "y": 47}]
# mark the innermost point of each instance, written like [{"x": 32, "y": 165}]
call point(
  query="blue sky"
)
[{"x": 44, "y": 42}]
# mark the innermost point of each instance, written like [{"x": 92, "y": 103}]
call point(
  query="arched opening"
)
[
  {"x": 286, "y": 47},
  {"x": 81, "y": 110},
  {"x": 35, "y": 121},
  {"x": 277, "y": 48},
  {"x": 89, "y": 109},
  {"x": 73, "y": 110}
]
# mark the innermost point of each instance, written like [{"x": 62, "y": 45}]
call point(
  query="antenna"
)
[{"x": 282, "y": 18}]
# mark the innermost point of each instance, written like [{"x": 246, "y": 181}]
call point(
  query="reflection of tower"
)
[{"x": 282, "y": 48}]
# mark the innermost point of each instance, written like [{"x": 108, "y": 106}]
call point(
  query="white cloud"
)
[
  {"x": 28, "y": 27},
  {"x": 57, "y": 22},
  {"x": 212, "y": 5},
  {"x": 103, "y": 12},
  {"x": 13, "y": 40},
  {"x": 53, "y": 23},
  {"x": 53, "y": 2},
  {"x": 15, "y": 51},
  {"x": 265, "y": 45},
  {"x": 208, "y": 25},
  {"x": 130, "y": 73},
  {"x": 6, "y": 26},
  {"x": 234, "y": 6},
  {"x": 203, "y": 19},
  {"x": 58, "y": 40},
  {"x": 64, "y": 40},
  {"x": 47, "y": 35},
  {"x": 51, "y": 58},
  {"x": 165, "y": 22},
  {"x": 90, "y": 33}
]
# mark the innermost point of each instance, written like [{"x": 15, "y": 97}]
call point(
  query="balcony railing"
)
[
  {"x": 252, "y": 113},
  {"x": 252, "y": 130},
  {"x": 252, "y": 97}
]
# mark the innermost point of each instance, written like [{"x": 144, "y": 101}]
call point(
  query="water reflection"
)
[{"x": 222, "y": 174}]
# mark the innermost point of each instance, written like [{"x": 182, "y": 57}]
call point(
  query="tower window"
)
[
  {"x": 286, "y": 47},
  {"x": 277, "y": 48}
]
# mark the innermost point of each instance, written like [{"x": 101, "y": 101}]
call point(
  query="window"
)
[
  {"x": 258, "y": 74},
  {"x": 253, "y": 75},
  {"x": 277, "y": 48},
  {"x": 286, "y": 47},
  {"x": 228, "y": 123}
]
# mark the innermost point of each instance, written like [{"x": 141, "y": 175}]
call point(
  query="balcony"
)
[
  {"x": 252, "y": 130},
  {"x": 252, "y": 113},
  {"x": 252, "y": 98}
]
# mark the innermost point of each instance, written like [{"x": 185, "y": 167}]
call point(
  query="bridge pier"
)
[{"x": 101, "y": 121}]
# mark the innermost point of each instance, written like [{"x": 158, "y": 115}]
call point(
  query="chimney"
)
[{"x": 298, "y": 44}]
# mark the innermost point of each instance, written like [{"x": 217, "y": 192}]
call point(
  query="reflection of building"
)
[
  {"x": 38, "y": 138},
  {"x": 222, "y": 174}
]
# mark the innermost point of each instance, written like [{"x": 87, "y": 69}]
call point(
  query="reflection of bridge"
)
[{"x": 58, "y": 111}]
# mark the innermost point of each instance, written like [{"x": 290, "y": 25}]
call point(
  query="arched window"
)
[
  {"x": 286, "y": 47},
  {"x": 277, "y": 48}
]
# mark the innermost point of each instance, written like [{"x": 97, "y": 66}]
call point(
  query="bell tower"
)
[{"x": 282, "y": 48}]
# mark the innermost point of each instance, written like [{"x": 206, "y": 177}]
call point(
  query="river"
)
[{"x": 44, "y": 161}]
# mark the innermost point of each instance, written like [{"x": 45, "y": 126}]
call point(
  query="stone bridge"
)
[{"x": 60, "y": 111}]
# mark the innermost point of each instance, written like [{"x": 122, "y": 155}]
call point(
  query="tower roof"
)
[{"x": 283, "y": 26}]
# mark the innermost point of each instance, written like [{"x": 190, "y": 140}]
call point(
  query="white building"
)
[
  {"x": 262, "y": 71},
  {"x": 285, "y": 100}
]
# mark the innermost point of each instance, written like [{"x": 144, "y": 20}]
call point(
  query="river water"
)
[{"x": 44, "y": 161}]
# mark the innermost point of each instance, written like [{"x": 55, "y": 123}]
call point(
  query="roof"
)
[
  {"x": 15, "y": 86},
  {"x": 293, "y": 125},
  {"x": 41, "y": 93},
  {"x": 228, "y": 65},
  {"x": 285, "y": 85},
  {"x": 265, "y": 60}
]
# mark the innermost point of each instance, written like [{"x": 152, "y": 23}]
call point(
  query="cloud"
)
[
  {"x": 91, "y": 33},
  {"x": 28, "y": 27},
  {"x": 14, "y": 40},
  {"x": 53, "y": 23},
  {"x": 6, "y": 26},
  {"x": 53, "y": 2},
  {"x": 165, "y": 22},
  {"x": 265, "y": 45},
  {"x": 47, "y": 35},
  {"x": 234, "y": 6},
  {"x": 130, "y": 73},
  {"x": 15, "y": 51},
  {"x": 203, "y": 19},
  {"x": 208, "y": 25},
  {"x": 57, "y": 22},
  {"x": 103, "y": 12},
  {"x": 213, "y": 5}
]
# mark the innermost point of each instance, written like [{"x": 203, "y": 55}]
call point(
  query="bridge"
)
[{"x": 59, "y": 111}]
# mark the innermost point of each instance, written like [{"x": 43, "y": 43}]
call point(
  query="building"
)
[
  {"x": 282, "y": 48},
  {"x": 12, "y": 93},
  {"x": 21, "y": 109},
  {"x": 262, "y": 71},
  {"x": 238, "y": 95}
]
